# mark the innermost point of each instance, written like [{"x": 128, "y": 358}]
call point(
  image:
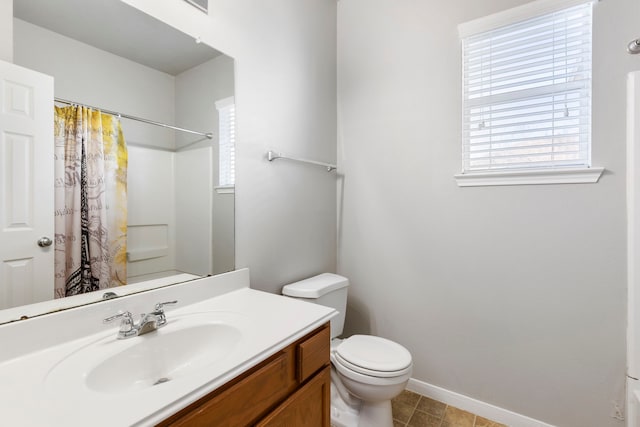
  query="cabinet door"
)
[{"x": 308, "y": 407}]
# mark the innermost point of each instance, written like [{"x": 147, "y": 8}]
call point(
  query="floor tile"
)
[
  {"x": 483, "y": 422},
  {"x": 408, "y": 398},
  {"x": 422, "y": 419},
  {"x": 414, "y": 410},
  {"x": 401, "y": 411},
  {"x": 431, "y": 406},
  {"x": 458, "y": 418}
]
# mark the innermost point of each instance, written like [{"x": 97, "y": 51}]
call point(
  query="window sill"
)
[
  {"x": 225, "y": 189},
  {"x": 530, "y": 177}
]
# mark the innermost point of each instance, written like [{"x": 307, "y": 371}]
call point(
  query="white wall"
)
[
  {"x": 285, "y": 100},
  {"x": 511, "y": 295}
]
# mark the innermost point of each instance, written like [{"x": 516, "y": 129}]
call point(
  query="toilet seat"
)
[{"x": 373, "y": 356}]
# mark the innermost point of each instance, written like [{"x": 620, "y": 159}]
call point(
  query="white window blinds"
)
[
  {"x": 226, "y": 143},
  {"x": 527, "y": 93}
]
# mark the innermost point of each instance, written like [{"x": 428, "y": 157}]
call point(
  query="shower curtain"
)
[{"x": 90, "y": 201}]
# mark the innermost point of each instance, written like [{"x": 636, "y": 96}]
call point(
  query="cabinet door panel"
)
[{"x": 308, "y": 407}]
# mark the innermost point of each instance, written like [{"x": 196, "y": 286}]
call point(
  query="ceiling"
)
[{"x": 116, "y": 27}]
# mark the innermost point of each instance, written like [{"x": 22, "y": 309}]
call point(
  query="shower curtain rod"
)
[{"x": 139, "y": 119}]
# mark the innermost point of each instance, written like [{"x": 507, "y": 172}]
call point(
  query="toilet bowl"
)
[
  {"x": 374, "y": 370},
  {"x": 366, "y": 371}
]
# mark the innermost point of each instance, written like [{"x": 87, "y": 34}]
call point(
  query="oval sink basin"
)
[
  {"x": 161, "y": 358},
  {"x": 186, "y": 345}
]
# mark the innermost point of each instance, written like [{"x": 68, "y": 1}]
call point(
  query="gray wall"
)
[
  {"x": 286, "y": 99},
  {"x": 515, "y": 296}
]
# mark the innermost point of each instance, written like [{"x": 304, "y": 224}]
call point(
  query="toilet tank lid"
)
[{"x": 316, "y": 286}]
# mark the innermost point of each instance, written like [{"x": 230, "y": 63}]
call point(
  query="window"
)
[
  {"x": 226, "y": 141},
  {"x": 527, "y": 92}
]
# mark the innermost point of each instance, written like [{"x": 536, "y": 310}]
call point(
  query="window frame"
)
[{"x": 520, "y": 175}]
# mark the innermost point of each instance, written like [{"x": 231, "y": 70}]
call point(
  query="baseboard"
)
[{"x": 475, "y": 406}]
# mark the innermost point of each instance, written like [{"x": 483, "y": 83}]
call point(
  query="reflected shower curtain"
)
[{"x": 90, "y": 201}]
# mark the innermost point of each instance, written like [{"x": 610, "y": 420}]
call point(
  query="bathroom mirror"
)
[{"x": 111, "y": 56}]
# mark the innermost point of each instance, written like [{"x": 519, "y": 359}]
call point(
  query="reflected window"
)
[{"x": 227, "y": 141}]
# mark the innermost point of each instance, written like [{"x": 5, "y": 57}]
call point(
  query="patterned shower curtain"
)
[{"x": 90, "y": 201}]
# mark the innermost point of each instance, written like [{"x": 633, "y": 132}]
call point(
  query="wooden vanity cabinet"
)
[{"x": 291, "y": 388}]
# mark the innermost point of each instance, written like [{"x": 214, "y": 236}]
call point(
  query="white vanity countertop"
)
[{"x": 31, "y": 396}]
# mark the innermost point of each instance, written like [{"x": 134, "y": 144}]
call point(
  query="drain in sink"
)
[{"x": 162, "y": 380}]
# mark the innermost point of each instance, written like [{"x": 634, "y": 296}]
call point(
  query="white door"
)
[{"x": 26, "y": 186}]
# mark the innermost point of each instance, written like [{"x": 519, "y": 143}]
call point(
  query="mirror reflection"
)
[{"x": 131, "y": 199}]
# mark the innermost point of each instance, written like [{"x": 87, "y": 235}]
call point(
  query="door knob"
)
[{"x": 43, "y": 242}]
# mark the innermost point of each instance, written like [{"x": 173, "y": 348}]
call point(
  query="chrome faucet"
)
[{"x": 148, "y": 322}]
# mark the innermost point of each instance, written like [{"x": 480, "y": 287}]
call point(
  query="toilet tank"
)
[{"x": 325, "y": 289}]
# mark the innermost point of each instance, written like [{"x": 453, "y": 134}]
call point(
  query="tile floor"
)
[{"x": 413, "y": 410}]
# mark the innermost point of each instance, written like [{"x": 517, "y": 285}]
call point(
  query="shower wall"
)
[{"x": 151, "y": 224}]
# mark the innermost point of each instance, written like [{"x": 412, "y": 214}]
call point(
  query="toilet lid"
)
[{"x": 373, "y": 355}]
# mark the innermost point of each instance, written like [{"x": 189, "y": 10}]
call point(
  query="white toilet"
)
[{"x": 367, "y": 371}]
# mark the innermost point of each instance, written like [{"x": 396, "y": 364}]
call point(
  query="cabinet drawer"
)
[
  {"x": 313, "y": 354},
  {"x": 247, "y": 400}
]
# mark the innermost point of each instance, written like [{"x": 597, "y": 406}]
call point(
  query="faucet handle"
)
[
  {"x": 127, "y": 326},
  {"x": 159, "y": 306},
  {"x": 125, "y": 315},
  {"x": 159, "y": 312}
]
